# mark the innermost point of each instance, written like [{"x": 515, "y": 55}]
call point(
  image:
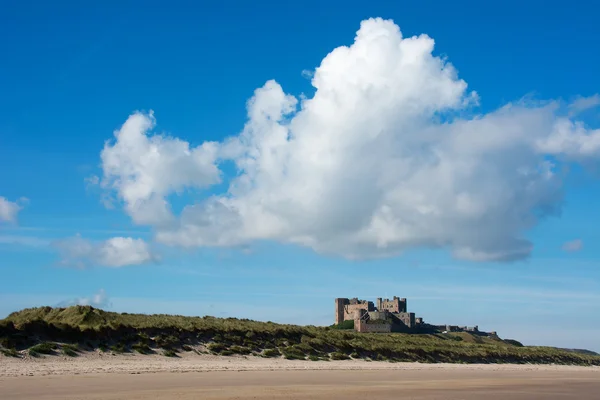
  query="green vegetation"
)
[
  {"x": 42, "y": 348},
  {"x": 10, "y": 352},
  {"x": 118, "y": 348},
  {"x": 339, "y": 356},
  {"x": 348, "y": 324},
  {"x": 70, "y": 350},
  {"x": 513, "y": 342},
  {"x": 142, "y": 348},
  {"x": 240, "y": 350},
  {"x": 271, "y": 353},
  {"x": 37, "y": 331},
  {"x": 293, "y": 353},
  {"x": 169, "y": 353}
]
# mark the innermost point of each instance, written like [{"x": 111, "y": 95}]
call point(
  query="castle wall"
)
[
  {"x": 349, "y": 309},
  {"x": 374, "y": 315},
  {"x": 364, "y": 327},
  {"x": 396, "y": 305},
  {"x": 407, "y": 319},
  {"x": 345, "y": 308}
]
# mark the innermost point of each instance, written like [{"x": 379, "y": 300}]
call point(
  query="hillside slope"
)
[{"x": 75, "y": 329}]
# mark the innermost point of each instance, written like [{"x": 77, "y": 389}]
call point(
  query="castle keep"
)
[{"x": 387, "y": 316}]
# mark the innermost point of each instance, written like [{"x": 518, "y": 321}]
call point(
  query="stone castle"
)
[{"x": 388, "y": 316}]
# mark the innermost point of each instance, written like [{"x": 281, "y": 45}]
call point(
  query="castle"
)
[{"x": 388, "y": 316}]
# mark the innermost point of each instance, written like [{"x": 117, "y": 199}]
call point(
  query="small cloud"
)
[
  {"x": 98, "y": 300},
  {"x": 29, "y": 241},
  {"x": 92, "y": 180},
  {"x": 581, "y": 104},
  {"x": 115, "y": 252},
  {"x": 308, "y": 74},
  {"x": 573, "y": 245},
  {"x": 10, "y": 209}
]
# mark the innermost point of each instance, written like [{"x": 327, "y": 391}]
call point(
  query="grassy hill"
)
[{"x": 69, "y": 331}]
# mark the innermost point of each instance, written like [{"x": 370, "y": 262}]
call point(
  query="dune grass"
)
[
  {"x": 70, "y": 350},
  {"x": 42, "y": 348},
  {"x": 44, "y": 326}
]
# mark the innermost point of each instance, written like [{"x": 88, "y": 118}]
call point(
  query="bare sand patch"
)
[
  {"x": 107, "y": 363},
  {"x": 381, "y": 381}
]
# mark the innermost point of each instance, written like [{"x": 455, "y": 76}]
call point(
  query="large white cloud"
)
[
  {"x": 114, "y": 252},
  {"x": 143, "y": 170},
  {"x": 385, "y": 156}
]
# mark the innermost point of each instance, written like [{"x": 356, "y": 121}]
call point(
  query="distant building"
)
[{"x": 388, "y": 316}]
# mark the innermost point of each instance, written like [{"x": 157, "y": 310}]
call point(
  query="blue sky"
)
[{"x": 373, "y": 170}]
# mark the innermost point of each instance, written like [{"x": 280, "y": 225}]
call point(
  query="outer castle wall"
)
[{"x": 363, "y": 327}]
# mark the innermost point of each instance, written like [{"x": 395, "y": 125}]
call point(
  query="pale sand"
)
[{"x": 96, "y": 376}]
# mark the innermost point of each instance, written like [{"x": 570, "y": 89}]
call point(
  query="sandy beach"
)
[{"x": 105, "y": 376}]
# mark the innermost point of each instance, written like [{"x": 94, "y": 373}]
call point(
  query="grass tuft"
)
[
  {"x": 270, "y": 353},
  {"x": 70, "y": 350},
  {"x": 42, "y": 348},
  {"x": 169, "y": 353},
  {"x": 10, "y": 352}
]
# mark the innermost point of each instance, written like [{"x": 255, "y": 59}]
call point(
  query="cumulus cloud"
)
[
  {"x": 10, "y": 209},
  {"x": 387, "y": 155},
  {"x": 143, "y": 170},
  {"x": 114, "y": 252},
  {"x": 573, "y": 245},
  {"x": 98, "y": 300}
]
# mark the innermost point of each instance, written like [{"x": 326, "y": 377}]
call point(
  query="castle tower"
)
[
  {"x": 339, "y": 310},
  {"x": 402, "y": 306}
]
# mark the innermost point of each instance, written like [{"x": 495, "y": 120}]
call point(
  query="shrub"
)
[
  {"x": 293, "y": 353},
  {"x": 10, "y": 352},
  {"x": 314, "y": 358},
  {"x": 216, "y": 347},
  {"x": 513, "y": 342},
  {"x": 348, "y": 324},
  {"x": 141, "y": 348},
  {"x": 339, "y": 356},
  {"x": 118, "y": 348},
  {"x": 6, "y": 342},
  {"x": 143, "y": 338},
  {"x": 42, "y": 348},
  {"x": 240, "y": 350},
  {"x": 226, "y": 353},
  {"x": 271, "y": 353},
  {"x": 70, "y": 350},
  {"x": 167, "y": 342},
  {"x": 169, "y": 353},
  {"x": 355, "y": 355}
]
